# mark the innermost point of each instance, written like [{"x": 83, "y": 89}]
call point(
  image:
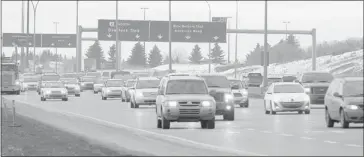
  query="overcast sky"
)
[{"x": 333, "y": 20}]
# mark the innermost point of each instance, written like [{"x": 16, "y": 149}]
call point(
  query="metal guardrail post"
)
[{"x": 14, "y": 114}]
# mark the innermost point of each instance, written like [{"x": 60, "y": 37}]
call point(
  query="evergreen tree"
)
[
  {"x": 155, "y": 57},
  {"x": 96, "y": 52},
  {"x": 196, "y": 55},
  {"x": 137, "y": 56},
  {"x": 112, "y": 55},
  {"x": 217, "y": 55}
]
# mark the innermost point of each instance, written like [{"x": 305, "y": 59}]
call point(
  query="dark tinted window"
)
[
  {"x": 70, "y": 81},
  {"x": 288, "y": 78},
  {"x": 130, "y": 83},
  {"x": 217, "y": 81},
  {"x": 293, "y": 88},
  {"x": 97, "y": 74},
  {"x": 186, "y": 87},
  {"x": 54, "y": 85},
  {"x": 317, "y": 77},
  {"x": 147, "y": 84},
  {"x": 353, "y": 88}
]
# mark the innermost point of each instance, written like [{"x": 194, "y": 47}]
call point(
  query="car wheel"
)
[
  {"x": 159, "y": 123},
  {"x": 203, "y": 124},
  {"x": 271, "y": 109},
  {"x": 300, "y": 112},
  {"x": 95, "y": 92},
  {"x": 307, "y": 112},
  {"x": 136, "y": 105},
  {"x": 65, "y": 99},
  {"x": 166, "y": 124},
  {"x": 329, "y": 122},
  {"x": 131, "y": 105},
  {"x": 211, "y": 124},
  {"x": 343, "y": 122},
  {"x": 41, "y": 99}
]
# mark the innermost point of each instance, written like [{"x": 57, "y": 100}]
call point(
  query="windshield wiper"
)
[
  {"x": 214, "y": 86},
  {"x": 322, "y": 81}
]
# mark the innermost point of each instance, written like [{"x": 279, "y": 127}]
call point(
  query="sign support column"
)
[
  {"x": 170, "y": 36},
  {"x": 117, "y": 37}
]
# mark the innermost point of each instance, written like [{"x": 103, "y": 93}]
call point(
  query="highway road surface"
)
[{"x": 252, "y": 132}]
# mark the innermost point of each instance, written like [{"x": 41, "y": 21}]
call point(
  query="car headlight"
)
[
  {"x": 228, "y": 97},
  {"x": 171, "y": 103},
  {"x": 244, "y": 92},
  {"x": 17, "y": 82},
  {"x": 306, "y": 99},
  {"x": 308, "y": 90},
  {"x": 206, "y": 103},
  {"x": 139, "y": 94},
  {"x": 276, "y": 99},
  {"x": 63, "y": 91},
  {"x": 77, "y": 87},
  {"x": 352, "y": 107},
  {"x": 108, "y": 90},
  {"x": 48, "y": 92}
]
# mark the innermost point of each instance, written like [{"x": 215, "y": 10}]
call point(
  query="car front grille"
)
[
  {"x": 238, "y": 95},
  {"x": 292, "y": 104},
  {"x": 219, "y": 97},
  {"x": 319, "y": 90},
  {"x": 116, "y": 91},
  {"x": 189, "y": 111},
  {"x": 56, "y": 92},
  {"x": 189, "y": 103}
]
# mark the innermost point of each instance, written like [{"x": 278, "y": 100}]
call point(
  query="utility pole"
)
[
  {"x": 78, "y": 66},
  {"x": 144, "y": 9},
  {"x": 1, "y": 27},
  {"x": 27, "y": 44},
  {"x": 286, "y": 22},
  {"x": 23, "y": 60},
  {"x": 117, "y": 37},
  {"x": 56, "y": 24},
  {"x": 170, "y": 36},
  {"x": 208, "y": 4},
  {"x": 228, "y": 37},
  {"x": 34, "y": 39},
  {"x": 236, "y": 37},
  {"x": 266, "y": 58}
]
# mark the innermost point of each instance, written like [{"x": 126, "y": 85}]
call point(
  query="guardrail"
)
[{"x": 5, "y": 110}]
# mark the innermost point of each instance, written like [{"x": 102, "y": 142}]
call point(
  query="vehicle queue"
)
[{"x": 183, "y": 97}]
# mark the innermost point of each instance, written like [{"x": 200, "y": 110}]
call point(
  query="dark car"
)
[
  {"x": 344, "y": 101},
  {"x": 87, "y": 82},
  {"x": 316, "y": 84},
  {"x": 289, "y": 78},
  {"x": 220, "y": 89}
]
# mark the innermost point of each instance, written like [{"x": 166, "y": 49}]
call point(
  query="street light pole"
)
[
  {"x": 208, "y": 4},
  {"x": 266, "y": 59},
  {"x": 78, "y": 66},
  {"x": 117, "y": 36},
  {"x": 286, "y": 22},
  {"x": 228, "y": 37},
  {"x": 56, "y": 24},
  {"x": 34, "y": 42},
  {"x": 236, "y": 38},
  {"x": 144, "y": 9},
  {"x": 170, "y": 36}
]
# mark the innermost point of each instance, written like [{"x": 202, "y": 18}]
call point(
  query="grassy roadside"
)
[{"x": 33, "y": 138}]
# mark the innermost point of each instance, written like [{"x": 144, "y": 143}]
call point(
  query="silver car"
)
[
  {"x": 29, "y": 83},
  {"x": 240, "y": 93},
  {"x": 98, "y": 85},
  {"x": 54, "y": 90},
  {"x": 112, "y": 89},
  {"x": 144, "y": 91},
  {"x": 72, "y": 86}
]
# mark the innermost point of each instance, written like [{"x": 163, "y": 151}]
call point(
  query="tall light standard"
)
[
  {"x": 208, "y": 4},
  {"x": 266, "y": 59},
  {"x": 77, "y": 46},
  {"x": 117, "y": 36},
  {"x": 56, "y": 25},
  {"x": 170, "y": 35},
  {"x": 228, "y": 37},
  {"x": 35, "y": 5},
  {"x": 286, "y": 22},
  {"x": 236, "y": 37},
  {"x": 144, "y": 9}
]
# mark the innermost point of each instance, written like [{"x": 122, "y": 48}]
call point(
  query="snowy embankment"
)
[{"x": 350, "y": 62}]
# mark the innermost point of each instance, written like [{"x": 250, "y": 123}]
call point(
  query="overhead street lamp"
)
[
  {"x": 208, "y": 4},
  {"x": 35, "y": 5},
  {"x": 56, "y": 24},
  {"x": 286, "y": 22}
]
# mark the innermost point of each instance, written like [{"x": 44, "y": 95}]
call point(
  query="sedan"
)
[
  {"x": 286, "y": 97},
  {"x": 112, "y": 89},
  {"x": 54, "y": 90}
]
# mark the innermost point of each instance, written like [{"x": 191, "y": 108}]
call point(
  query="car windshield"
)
[
  {"x": 147, "y": 84},
  {"x": 97, "y": 74},
  {"x": 317, "y": 77},
  {"x": 54, "y": 85},
  {"x": 237, "y": 83},
  {"x": 288, "y": 88},
  {"x": 50, "y": 77},
  {"x": 288, "y": 78},
  {"x": 70, "y": 81},
  {"x": 31, "y": 79},
  {"x": 130, "y": 83},
  {"x": 114, "y": 83},
  {"x": 88, "y": 79},
  {"x": 217, "y": 81},
  {"x": 353, "y": 89},
  {"x": 186, "y": 87}
]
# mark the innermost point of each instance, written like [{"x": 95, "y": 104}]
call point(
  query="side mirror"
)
[{"x": 336, "y": 94}]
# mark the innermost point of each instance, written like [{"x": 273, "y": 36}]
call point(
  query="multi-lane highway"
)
[{"x": 252, "y": 132}]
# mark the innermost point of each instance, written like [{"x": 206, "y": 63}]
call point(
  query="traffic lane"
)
[{"x": 145, "y": 119}]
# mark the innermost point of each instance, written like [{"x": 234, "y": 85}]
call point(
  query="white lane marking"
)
[
  {"x": 251, "y": 129},
  {"x": 338, "y": 131},
  {"x": 267, "y": 132},
  {"x": 331, "y": 142},
  {"x": 233, "y": 132},
  {"x": 306, "y": 138},
  {"x": 286, "y": 134},
  {"x": 353, "y": 145},
  {"x": 240, "y": 152}
]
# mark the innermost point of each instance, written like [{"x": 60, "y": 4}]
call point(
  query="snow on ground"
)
[{"x": 347, "y": 62}]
